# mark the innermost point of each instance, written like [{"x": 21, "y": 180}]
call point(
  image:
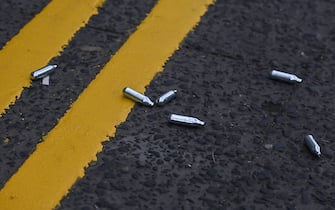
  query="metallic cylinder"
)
[
  {"x": 312, "y": 145},
  {"x": 185, "y": 120},
  {"x": 138, "y": 97},
  {"x": 40, "y": 73},
  {"x": 285, "y": 77},
  {"x": 166, "y": 97}
]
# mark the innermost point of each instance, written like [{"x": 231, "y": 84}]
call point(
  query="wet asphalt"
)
[{"x": 249, "y": 155}]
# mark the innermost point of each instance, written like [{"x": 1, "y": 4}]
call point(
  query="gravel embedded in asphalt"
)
[
  {"x": 40, "y": 107},
  {"x": 221, "y": 74},
  {"x": 249, "y": 155},
  {"x": 15, "y": 14}
]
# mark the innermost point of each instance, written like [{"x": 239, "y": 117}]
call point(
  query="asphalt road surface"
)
[{"x": 249, "y": 155}]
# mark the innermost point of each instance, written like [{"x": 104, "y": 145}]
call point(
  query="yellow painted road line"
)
[
  {"x": 38, "y": 41},
  {"x": 59, "y": 161}
]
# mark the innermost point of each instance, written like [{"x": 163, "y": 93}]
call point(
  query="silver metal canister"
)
[
  {"x": 42, "y": 72},
  {"x": 185, "y": 120},
  {"x": 138, "y": 97},
  {"x": 166, "y": 97},
  {"x": 312, "y": 145},
  {"x": 285, "y": 77}
]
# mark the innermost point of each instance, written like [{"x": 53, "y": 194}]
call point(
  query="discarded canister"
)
[
  {"x": 312, "y": 145},
  {"x": 40, "y": 73},
  {"x": 286, "y": 77},
  {"x": 138, "y": 97},
  {"x": 185, "y": 120},
  {"x": 166, "y": 97}
]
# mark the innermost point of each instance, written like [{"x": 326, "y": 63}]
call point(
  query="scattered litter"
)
[
  {"x": 285, "y": 77},
  {"x": 46, "y": 80},
  {"x": 166, "y": 97},
  {"x": 138, "y": 97},
  {"x": 43, "y": 72},
  {"x": 312, "y": 145},
  {"x": 185, "y": 120},
  {"x": 268, "y": 146}
]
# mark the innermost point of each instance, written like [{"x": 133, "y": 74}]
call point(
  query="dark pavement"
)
[
  {"x": 250, "y": 154},
  {"x": 15, "y": 14}
]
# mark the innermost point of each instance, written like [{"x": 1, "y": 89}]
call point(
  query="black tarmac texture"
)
[
  {"x": 40, "y": 107},
  {"x": 251, "y": 152}
]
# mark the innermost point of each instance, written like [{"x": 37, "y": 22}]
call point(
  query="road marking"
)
[
  {"x": 59, "y": 160},
  {"x": 38, "y": 41}
]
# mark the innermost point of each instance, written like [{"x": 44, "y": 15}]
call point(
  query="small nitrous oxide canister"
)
[
  {"x": 138, "y": 97},
  {"x": 312, "y": 145},
  {"x": 185, "y": 120},
  {"x": 285, "y": 77},
  {"x": 166, "y": 97},
  {"x": 42, "y": 72}
]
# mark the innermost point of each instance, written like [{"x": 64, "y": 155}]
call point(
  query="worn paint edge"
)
[
  {"x": 41, "y": 39},
  {"x": 59, "y": 161}
]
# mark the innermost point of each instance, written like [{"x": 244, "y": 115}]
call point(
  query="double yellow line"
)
[
  {"x": 38, "y": 42},
  {"x": 60, "y": 159}
]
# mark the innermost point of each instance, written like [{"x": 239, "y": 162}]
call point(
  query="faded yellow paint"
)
[
  {"x": 38, "y": 41},
  {"x": 59, "y": 161}
]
